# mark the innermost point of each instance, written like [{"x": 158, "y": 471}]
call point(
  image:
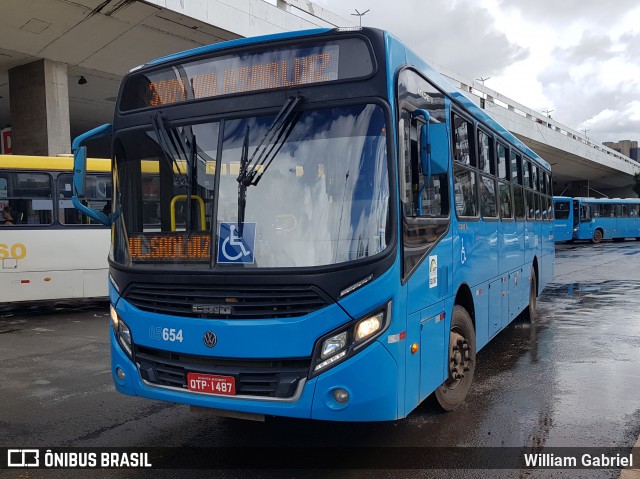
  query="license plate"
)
[{"x": 212, "y": 384}]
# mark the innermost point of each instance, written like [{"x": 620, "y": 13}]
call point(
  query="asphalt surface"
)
[{"x": 571, "y": 378}]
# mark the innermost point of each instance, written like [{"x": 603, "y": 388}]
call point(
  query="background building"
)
[{"x": 626, "y": 147}]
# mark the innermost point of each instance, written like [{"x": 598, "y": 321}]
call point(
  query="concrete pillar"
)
[{"x": 39, "y": 97}]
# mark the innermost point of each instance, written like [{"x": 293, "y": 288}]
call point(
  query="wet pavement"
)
[{"x": 572, "y": 378}]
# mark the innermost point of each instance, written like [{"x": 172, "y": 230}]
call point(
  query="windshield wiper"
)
[
  {"x": 252, "y": 170},
  {"x": 168, "y": 137},
  {"x": 242, "y": 186}
]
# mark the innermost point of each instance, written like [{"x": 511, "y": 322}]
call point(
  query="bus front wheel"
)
[
  {"x": 462, "y": 361},
  {"x": 597, "y": 236}
]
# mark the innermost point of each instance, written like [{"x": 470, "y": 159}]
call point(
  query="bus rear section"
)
[{"x": 564, "y": 222}]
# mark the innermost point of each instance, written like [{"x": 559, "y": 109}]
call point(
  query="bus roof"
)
[
  {"x": 50, "y": 163},
  {"x": 607, "y": 200}
]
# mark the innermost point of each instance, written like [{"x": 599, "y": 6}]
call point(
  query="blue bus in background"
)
[
  {"x": 596, "y": 219},
  {"x": 564, "y": 219},
  {"x": 313, "y": 224}
]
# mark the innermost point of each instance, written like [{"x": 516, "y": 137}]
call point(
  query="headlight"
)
[
  {"x": 333, "y": 345},
  {"x": 122, "y": 332},
  {"x": 369, "y": 326},
  {"x": 114, "y": 317},
  {"x": 124, "y": 337},
  {"x": 346, "y": 341}
]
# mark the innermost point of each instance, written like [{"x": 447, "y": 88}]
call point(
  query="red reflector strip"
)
[
  {"x": 25, "y": 281},
  {"x": 394, "y": 338}
]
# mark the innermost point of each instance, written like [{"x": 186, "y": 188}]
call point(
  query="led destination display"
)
[{"x": 247, "y": 72}]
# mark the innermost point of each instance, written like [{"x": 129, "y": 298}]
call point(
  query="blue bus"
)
[
  {"x": 564, "y": 219},
  {"x": 596, "y": 219},
  {"x": 313, "y": 224}
]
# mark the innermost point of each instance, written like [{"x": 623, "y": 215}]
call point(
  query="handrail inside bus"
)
[{"x": 182, "y": 198}]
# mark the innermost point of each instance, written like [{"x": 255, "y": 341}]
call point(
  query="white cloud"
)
[{"x": 573, "y": 56}]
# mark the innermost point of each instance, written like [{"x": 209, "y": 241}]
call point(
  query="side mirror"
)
[{"x": 80, "y": 172}]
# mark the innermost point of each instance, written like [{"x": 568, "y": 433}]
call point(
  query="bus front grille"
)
[
  {"x": 278, "y": 379},
  {"x": 226, "y": 301}
]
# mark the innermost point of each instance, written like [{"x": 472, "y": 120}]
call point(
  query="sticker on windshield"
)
[{"x": 234, "y": 247}]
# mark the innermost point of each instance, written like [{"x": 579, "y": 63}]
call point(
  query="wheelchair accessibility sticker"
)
[{"x": 233, "y": 248}]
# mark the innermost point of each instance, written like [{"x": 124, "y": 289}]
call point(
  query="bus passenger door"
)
[{"x": 426, "y": 243}]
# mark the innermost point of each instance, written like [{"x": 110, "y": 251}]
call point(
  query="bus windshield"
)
[{"x": 322, "y": 199}]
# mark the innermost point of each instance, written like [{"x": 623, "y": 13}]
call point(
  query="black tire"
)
[
  {"x": 597, "y": 236},
  {"x": 618, "y": 240},
  {"x": 638, "y": 239},
  {"x": 531, "y": 312},
  {"x": 461, "y": 361}
]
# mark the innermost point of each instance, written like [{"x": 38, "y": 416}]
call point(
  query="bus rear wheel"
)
[
  {"x": 597, "y": 236},
  {"x": 462, "y": 361}
]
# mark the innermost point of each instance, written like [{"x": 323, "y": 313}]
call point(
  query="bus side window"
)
[
  {"x": 466, "y": 191},
  {"x": 29, "y": 196},
  {"x": 506, "y": 205},
  {"x": 504, "y": 164},
  {"x": 462, "y": 133},
  {"x": 98, "y": 196}
]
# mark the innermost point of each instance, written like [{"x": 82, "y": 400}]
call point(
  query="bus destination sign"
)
[
  {"x": 285, "y": 72},
  {"x": 246, "y": 72},
  {"x": 163, "y": 247}
]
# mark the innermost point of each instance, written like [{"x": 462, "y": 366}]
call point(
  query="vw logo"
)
[{"x": 210, "y": 339}]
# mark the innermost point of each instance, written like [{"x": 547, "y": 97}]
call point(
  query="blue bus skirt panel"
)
[
  {"x": 369, "y": 377},
  {"x": 133, "y": 385}
]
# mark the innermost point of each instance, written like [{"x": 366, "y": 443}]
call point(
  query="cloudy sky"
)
[{"x": 579, "y": 58}]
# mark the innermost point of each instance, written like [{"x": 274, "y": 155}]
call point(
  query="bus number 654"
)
[{"x": 166, "y": 334}]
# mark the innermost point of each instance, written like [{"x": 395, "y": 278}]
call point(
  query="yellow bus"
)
[{"x": 48, "y": 250}]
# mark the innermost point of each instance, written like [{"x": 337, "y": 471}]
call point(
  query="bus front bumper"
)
[{"x": 369, "y": 378}]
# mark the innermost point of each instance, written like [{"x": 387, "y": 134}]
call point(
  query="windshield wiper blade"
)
[
  {"x": 271, "y": 143},
  {"x": 242, "y": 186},
  {"x": 166, "y": 138},
  {"x": 264, "y": 154}
]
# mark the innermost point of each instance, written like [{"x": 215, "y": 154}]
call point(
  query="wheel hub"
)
[{"x": 460, "y": 357}]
